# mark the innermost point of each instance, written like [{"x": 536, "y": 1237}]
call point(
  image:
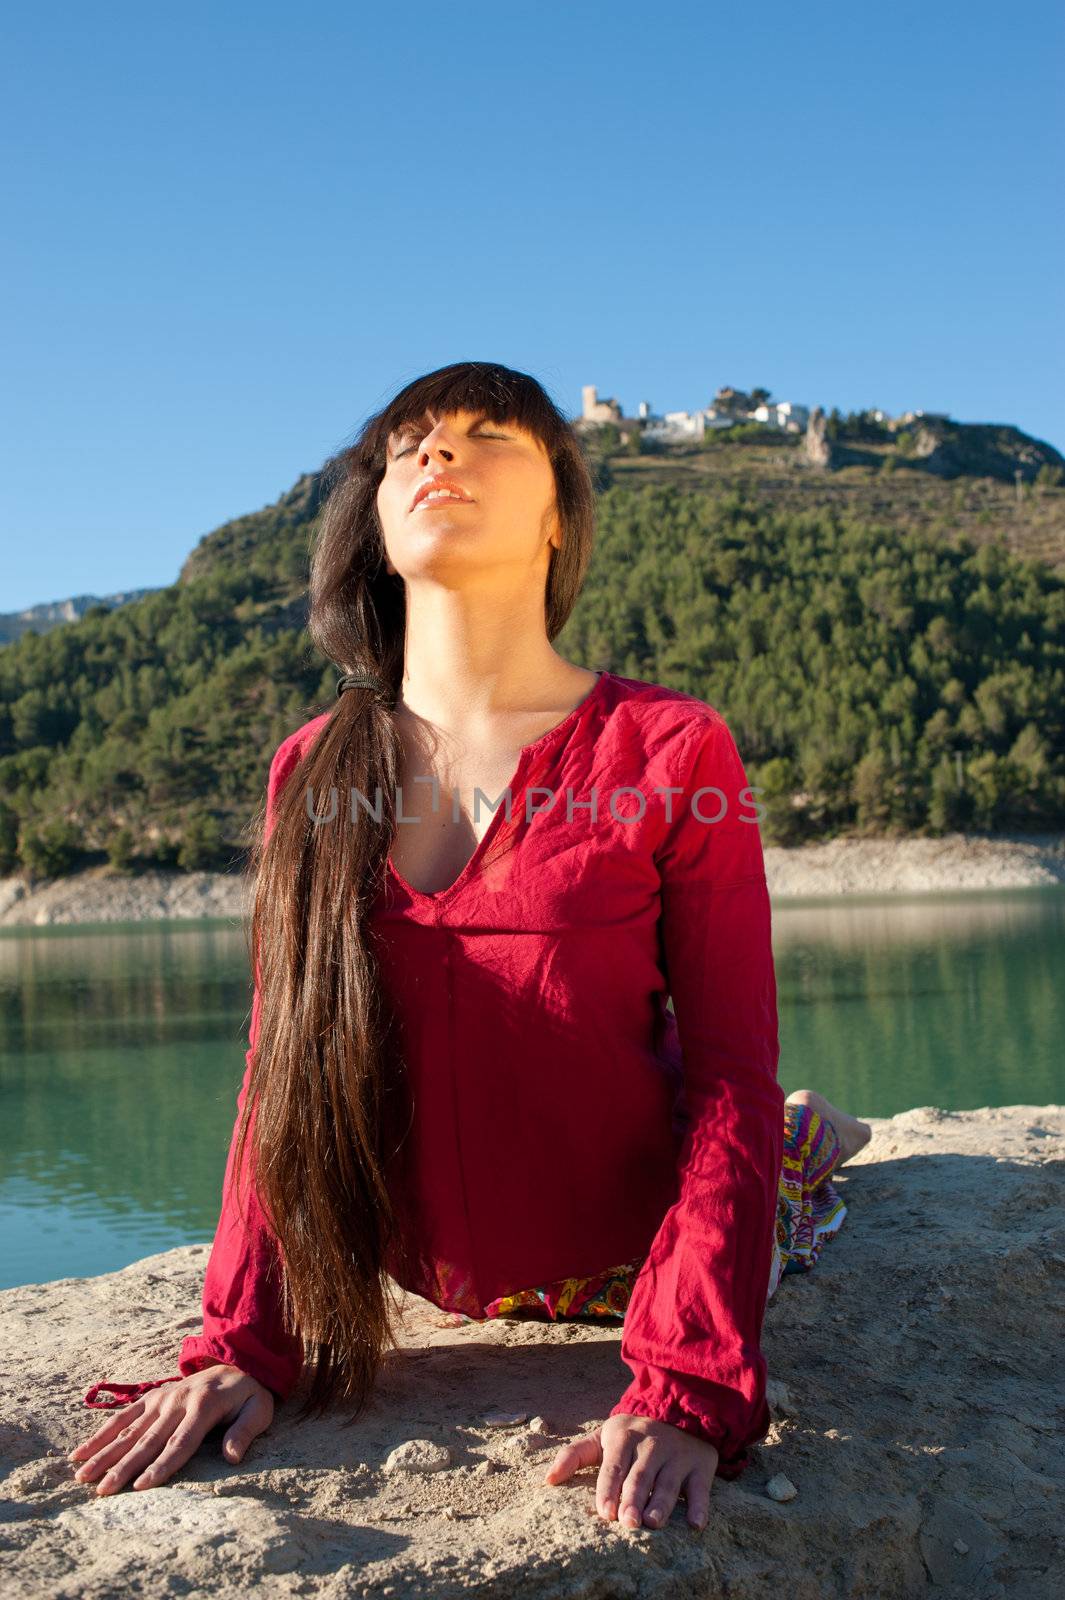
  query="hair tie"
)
[{"x": 366, "y": 680}]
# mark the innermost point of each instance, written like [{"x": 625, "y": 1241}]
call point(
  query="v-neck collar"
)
[{"x": 525, "y": 754}]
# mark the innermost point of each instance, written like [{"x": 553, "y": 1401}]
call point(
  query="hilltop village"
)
[{"x": 728, "y": 407}]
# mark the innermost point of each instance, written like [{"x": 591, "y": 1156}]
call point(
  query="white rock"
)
[
  {"x": 147, "y": 1516},
  {"x": 961, "y": 1547},
  {"x": 504, "y": 1419},
  {"x": 538, "y": 1425},
  {"x": 518, "y": 1447},
  {"x": 418, "y": 1455},
  {"x": 780, "y": 1487}
]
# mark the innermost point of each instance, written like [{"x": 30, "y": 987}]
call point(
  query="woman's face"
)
[{"x": 508, "y": 519}]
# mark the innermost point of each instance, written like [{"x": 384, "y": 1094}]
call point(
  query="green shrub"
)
[
  {"x": 120, "y": 849},
  {"x": 202, "y": 847},
  {"x": 9, "y": 856},
  {"x": 50, "y": 849}
]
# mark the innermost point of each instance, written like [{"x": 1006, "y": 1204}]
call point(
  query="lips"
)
[{"x": 441, "y": 482}]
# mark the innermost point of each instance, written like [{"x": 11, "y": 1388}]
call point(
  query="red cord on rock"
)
[{"x": 127, "y": 1391}]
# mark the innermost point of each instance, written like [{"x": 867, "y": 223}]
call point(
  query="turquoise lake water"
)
[{"x": 122, "y": 1051}]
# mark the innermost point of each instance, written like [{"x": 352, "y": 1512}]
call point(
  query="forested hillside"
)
[
  {"x": 874, "y": 680},
  {"x": 877, "y": 678}
]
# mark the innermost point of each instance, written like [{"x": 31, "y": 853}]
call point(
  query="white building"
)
[
  {"x": 783, "y": 414},
  {"x": 677, "y": 425},
  {"x": 596, "y": 410},
  {"x": 787, "y": 415}
]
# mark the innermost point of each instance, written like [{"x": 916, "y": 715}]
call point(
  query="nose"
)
[
  {"x": 438, "y": 443},
  {"x": 436, "y": 447}
]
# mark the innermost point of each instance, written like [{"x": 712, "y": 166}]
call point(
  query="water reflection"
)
[
  {"x": 122, "y": 1050},
  {"x": 949, "y": 1000},
  {"x": 924, "y": 918},
  {"x": 121, "y": 1054}
]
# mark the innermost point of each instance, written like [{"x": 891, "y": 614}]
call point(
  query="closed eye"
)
[{"x": 474, "y": 435}]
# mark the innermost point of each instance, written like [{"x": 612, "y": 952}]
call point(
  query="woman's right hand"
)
[{"x": 149, "y": 1439}]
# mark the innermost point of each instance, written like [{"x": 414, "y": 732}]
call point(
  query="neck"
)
[{"x": 465, "y": 661}]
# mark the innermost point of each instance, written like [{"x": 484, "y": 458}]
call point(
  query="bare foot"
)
[{"x": 852, "y": 1133}]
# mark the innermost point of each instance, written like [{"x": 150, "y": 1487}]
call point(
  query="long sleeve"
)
[
  {"x": 692, "y": 1328},
  {"x": 242, "y": 1321}
]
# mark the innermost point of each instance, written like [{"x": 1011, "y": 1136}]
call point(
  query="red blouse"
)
[{"x": 565, "y": 1120}]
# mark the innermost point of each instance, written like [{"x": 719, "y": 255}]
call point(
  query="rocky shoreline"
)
[
  {"x": 913, "y": 1377},
  {"x": 875, "y": 866}
]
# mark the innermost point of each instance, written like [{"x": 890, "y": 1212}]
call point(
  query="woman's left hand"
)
[{"x": 643, "y": 1465}]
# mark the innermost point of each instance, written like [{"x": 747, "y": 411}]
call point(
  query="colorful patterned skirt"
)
[{"x": 809, "y": 1211}]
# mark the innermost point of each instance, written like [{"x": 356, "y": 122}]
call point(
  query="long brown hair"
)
[{"x": 325, "y": 1088}]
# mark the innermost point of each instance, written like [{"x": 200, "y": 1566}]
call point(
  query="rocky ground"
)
[
  {"x": 915, "y": 1381},
  {"x": 840, "y": 867}
]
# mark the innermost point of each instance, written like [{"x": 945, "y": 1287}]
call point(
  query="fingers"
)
[
  {"x": 663, "y": 1496},
  {"x": 114, "y": 1425},
  {"x": 642, "y": 1474},
  {"x": 161, "y": 1459},
  {"x": 618, "y": 1452},
  {"x": 697, "y": 1494},
  {"x": 148, "y": 1440},
  {"x": 111, "y": 1443},
  {"x": 254, "y": 1416},
  {"x": 130, "y": 1452},
  {"x": 640, "y": 1481},
  {"x": 571, "y": 1458}
]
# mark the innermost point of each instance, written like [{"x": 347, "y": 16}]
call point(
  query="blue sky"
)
[{"x": 232, "y": 231}]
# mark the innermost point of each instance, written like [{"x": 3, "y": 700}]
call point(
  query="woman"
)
[{"x": 463, "y": 1074}]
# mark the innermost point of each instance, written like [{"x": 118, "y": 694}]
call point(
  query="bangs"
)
[{"x": 487, "y": 392}]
